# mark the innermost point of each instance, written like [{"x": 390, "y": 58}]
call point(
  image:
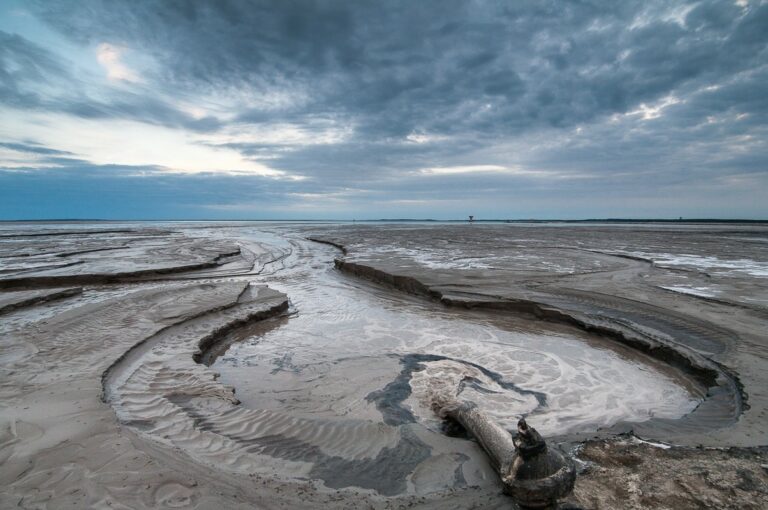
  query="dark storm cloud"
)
[
  {"x": 396, "y": 67},
  {"x": 619, "y": 96}
]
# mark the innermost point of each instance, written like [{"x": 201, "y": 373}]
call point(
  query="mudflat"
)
[
  {"x": 693, "y": 296},
  {"x": 253, "y": 365}
]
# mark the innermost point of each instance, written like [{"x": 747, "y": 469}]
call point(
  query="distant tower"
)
[{"x": 471, "y": 218}]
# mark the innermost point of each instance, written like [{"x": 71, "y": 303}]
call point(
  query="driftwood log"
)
[{"x": 534, "y": 475}]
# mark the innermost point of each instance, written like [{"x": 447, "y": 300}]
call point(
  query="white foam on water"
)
[{"x": 585, "y": 388}]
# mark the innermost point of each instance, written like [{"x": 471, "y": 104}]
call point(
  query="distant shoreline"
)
[{"x": 406, "y": 220}]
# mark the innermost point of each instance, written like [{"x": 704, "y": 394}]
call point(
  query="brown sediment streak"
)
[
  {"x": 725, "y": 399},
  {"x": 647, "y": 260},
  {"x": 29, "y": 282},
  {"x": 619, "y": 255},
  {"x": 711, "y": 299}
]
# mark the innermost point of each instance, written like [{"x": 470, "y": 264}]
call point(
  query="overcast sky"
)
[{"x": 383, "y": 109}]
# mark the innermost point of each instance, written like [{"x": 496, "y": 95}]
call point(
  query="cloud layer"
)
[{"x": 435, "y": 109}]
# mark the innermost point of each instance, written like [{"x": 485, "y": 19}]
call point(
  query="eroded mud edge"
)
[
  {"x": 203, "y": 345},
  {"x": 36, "y": 282},
  {"x": 725, "y": 399},
  {"x": 212, "y": 340},
  {"x": 42, "y": 298},
  {"x": 330, "y": 243}
]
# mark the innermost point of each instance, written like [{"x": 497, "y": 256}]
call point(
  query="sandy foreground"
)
[{"x": 105, "y": 402}]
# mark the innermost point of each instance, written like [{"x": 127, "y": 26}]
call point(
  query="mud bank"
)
[
  {"x": 104, "y": 403},
  {"x": 61, "y": 443},
  {"x": 595, "y": 278}
]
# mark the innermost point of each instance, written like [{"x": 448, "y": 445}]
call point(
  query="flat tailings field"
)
[{"x": 289, "y": 365}]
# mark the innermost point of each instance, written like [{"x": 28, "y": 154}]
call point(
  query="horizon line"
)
[{"x": 489, "y": 220}]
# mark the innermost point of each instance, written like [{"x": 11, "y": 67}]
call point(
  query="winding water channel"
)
[{"x": 351, "y": 352}]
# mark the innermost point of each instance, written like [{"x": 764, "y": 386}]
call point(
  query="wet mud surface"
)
[
  {"x": 235, "y": 364},
  {"x": 598, "y": 281}
]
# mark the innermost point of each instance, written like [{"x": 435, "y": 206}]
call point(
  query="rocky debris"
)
[{"x": 626, "y": 473}]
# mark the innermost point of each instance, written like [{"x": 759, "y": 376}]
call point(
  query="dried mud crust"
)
[{"x": 627, "y": 474}]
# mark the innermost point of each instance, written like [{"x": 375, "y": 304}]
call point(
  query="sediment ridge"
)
[
  {"x": 29, "y": 282},
  {"x": 14, "y": 300}
]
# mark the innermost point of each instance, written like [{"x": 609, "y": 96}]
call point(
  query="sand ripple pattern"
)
[{"x": 159, "y": 390}]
